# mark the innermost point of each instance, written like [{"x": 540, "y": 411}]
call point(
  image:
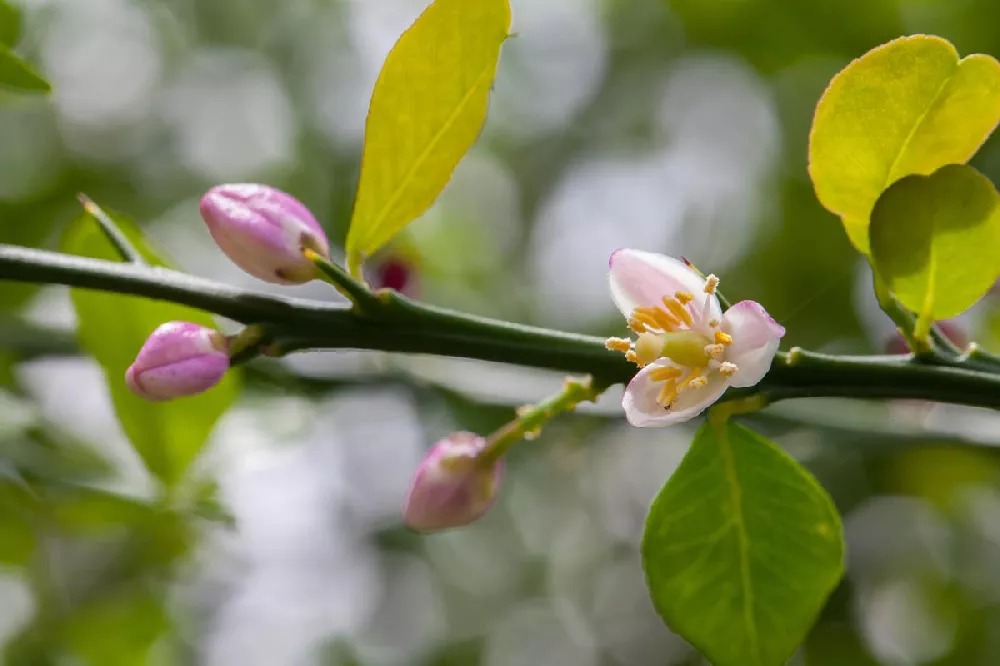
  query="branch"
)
[{"x": 411, "y": 327}]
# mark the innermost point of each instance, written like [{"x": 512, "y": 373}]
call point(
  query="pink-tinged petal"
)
[
  {"x": 755, "y": 341},
  {"x": 452, "y": 487},
  {"x": 263, "y": 231},
  {"x": 642, "y": 410},
  {"x": 642, "y": 279}
]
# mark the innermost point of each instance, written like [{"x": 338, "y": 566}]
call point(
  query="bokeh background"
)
[{"x": 678, "y": 126}]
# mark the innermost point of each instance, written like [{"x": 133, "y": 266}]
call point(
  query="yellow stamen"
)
[
  {"x": 714, "y": 351},
  {"x": 712, "y": 323},
  {"x": 644, "y": 316},
  {"x": 711, "y": 284},
  {"x": 723, "y": 339},
  {"x": 667, "y": 394},
  {"x": 665, "y": 373},
  {"x": 691, "y": 379},
  {"x": 618, "y": 344},
  {"x": 656, "y": 318},
  {"x": 678, "y": 310},
  {"x": 684, "y": 297},
  {"x": 728, "y": 369},
  {"x": 632, "y": 358},
  {"x": 636, "y": 325}
]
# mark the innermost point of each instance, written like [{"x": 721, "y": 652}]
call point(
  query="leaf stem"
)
[{"x": 531, "y": 418}]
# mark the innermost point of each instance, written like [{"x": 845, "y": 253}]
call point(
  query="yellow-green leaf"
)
[
  {"x": 10, "y": 24},
  {"x": 112, "y": 328},
  {"x": 935, "y": 240},
  {"x": 427, "y": 109},
  {"x": 907, "y": 107}
]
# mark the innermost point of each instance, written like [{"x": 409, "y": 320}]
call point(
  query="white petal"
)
[
  {"x": 755, "y": 341},
  {"x": 642, "y": 410},
  {"x": 642, "y": 279}
]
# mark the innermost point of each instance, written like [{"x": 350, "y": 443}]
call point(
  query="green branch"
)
[{"x": 404, "y": 325}]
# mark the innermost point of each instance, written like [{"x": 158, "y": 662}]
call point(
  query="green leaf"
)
[
  {"x": 16, "y": 73},
  {"x": 83, "y": 510},
  {"x": 112, "y": 328},
  {"x": 118, "y": 630},
  {"x": 427, "y": 109},
  {"x": 10, "y": 24},
  {"x": 17, "y": 532},
  {"x": 935, "y": 241},
  {"x": 741, "y": 549},
  {"x": 907, "y": 107}
]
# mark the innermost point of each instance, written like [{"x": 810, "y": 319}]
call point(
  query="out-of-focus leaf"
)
[
  {"x": 10, "y": 24},
  {"x": 907, "y": 107},
  {"x": 112, "y": 328},
  {"x": 770, "y": 34},
  {"x": 426, "y": 111},
  {"x": 935, "y": 240},
  {"x": 17, "y": 534},
  {"x": 79, "y": 509},
  {"x": 741, "y": 549},
  {"x": 118, "y": 630},
  {"x": 206, "y": 504},
  {"x": 16, "y": 73}
]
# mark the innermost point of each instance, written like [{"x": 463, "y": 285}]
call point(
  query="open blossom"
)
[
  {"x": 178, "y": 359},
  {"x": 453, "y": 485},
  {"x": 264, "y": 231},
  {"x": 689, "y": 351}
]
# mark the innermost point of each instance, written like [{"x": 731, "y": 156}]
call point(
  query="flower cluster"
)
[
  {"x": 688, "y": 351},
  {"x": 265, "y": 232}
]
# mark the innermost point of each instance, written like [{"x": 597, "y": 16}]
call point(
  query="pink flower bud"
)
[
  {"x": 263, "y": 231},
  {"x": 453, "y": 486},
  {"x": 178, "y": 359}
]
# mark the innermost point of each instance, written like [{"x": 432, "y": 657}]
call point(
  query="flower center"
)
[{"x": 672, "y": 331}]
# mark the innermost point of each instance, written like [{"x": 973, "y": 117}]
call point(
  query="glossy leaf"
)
[
  {"x": 112, "y": 328},
  {"x": 10, "y": 24},
  {"x": 427, "y": 109},
  {"x": 907, "y": 107},
  {"x": 741, "y": 549},
  {"x": 935, "y": 240},
  {"x": 18, "y": 74}
]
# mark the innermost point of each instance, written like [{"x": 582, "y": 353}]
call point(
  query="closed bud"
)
[
  {"x": 178, "y": 359},
  {"x": 454, "y": 485},
  {"x": 264, "y": 231}
]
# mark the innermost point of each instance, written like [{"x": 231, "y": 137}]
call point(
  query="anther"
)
[
  {"x": 678, "y": 310},
  {"x": 728, "y": 369},
  {"x": 636, "y": 325},
  {"x": 714, "y": 351},
  {"x": 723, "y": 338},
  {"x": 618, "y": 344},
  {"x": 711, "y": 284},
  {"x": 712, "y": 323},
  {"x": 632, "y": 358},
  {"x": 684, "y": 297},
  {"x": 665, "y": 373},
  {"x": 697, "y": 382}
]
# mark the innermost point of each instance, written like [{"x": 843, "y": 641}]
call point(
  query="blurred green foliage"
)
[{"x": 102, "y": 565}]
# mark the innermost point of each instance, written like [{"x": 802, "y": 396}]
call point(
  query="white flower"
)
[{"x": 689, "y": 351}]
